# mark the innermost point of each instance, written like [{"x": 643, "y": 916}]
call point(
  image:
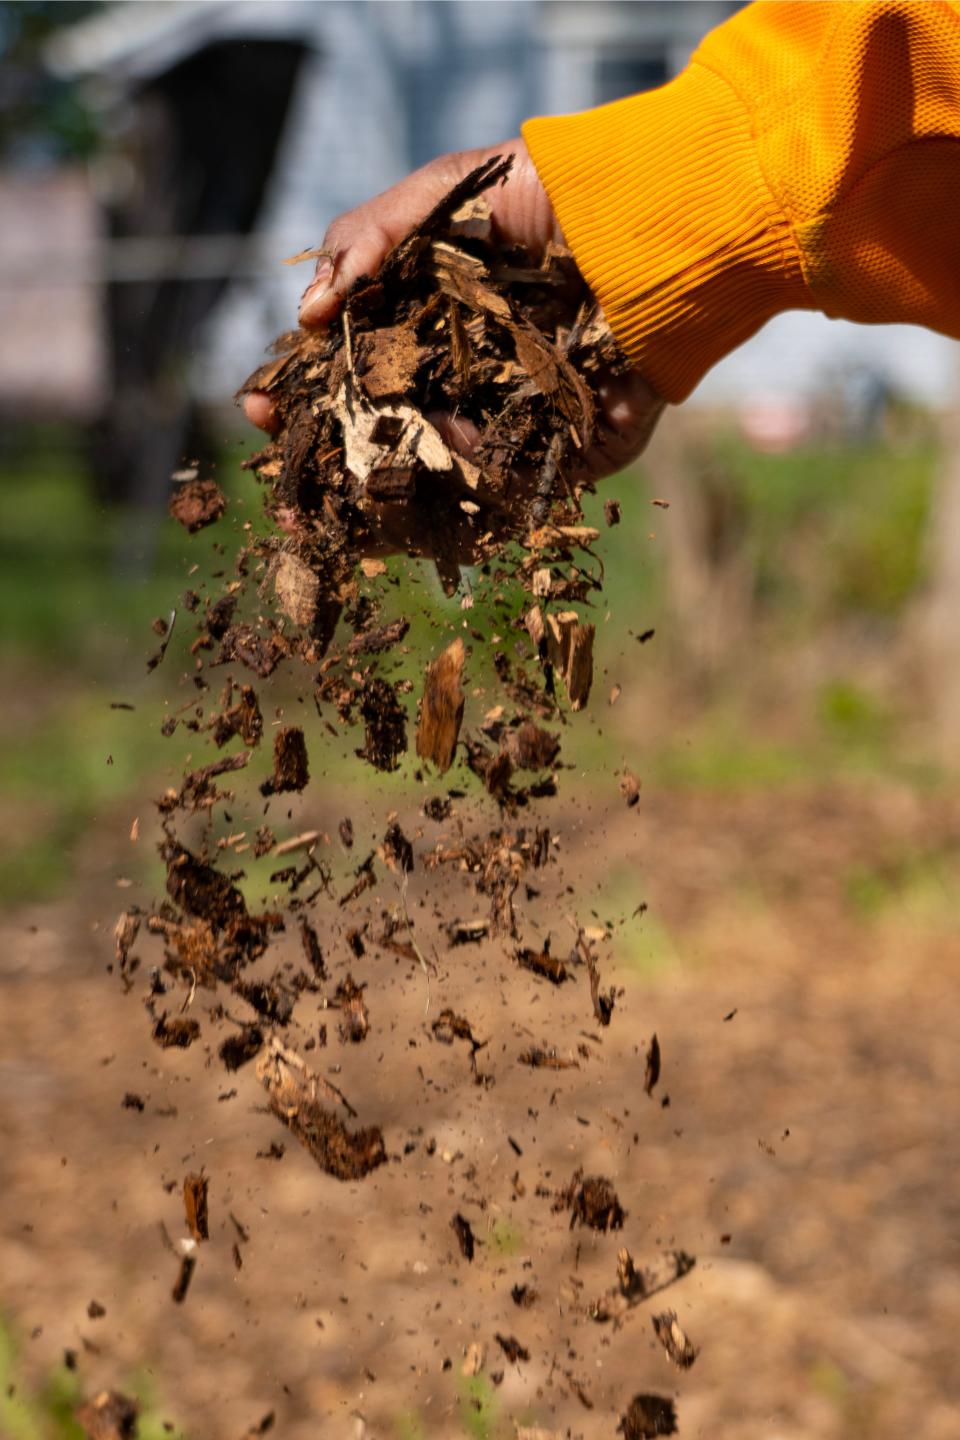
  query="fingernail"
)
[{"x": 321, "y": 281}]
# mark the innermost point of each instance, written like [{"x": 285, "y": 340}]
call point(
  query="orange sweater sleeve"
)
[{"x": 807, "y": 158}]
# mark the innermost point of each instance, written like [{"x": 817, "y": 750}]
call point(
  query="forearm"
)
[{"x": 808, "y": 158}]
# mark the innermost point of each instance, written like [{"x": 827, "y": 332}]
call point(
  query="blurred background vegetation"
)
[{"x": 785, "y": 592}]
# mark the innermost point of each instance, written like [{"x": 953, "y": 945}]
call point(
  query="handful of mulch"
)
[{"x": 446, "y": 410}]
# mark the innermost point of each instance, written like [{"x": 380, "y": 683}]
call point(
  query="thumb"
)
[{"x": 357, "y": 242}]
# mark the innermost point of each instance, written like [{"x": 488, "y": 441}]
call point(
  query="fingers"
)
[
  {"x": 357, "y": 241},
  {"x": 258, "y": 408},
  {"x": 457, "y": 433},
  {"x": 629, "y": 411}
]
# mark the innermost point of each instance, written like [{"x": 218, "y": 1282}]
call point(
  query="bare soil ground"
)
[{"x": 807, "y": 1157}]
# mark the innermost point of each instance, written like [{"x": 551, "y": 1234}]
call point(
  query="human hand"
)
[{"x": 357, "y": 242}]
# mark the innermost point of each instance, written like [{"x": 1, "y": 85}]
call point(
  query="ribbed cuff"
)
[{"x": 662, "y": 201}]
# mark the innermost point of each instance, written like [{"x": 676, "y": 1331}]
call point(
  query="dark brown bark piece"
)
[
  {"x": 386, "y": 725},
  {"x": 290, "y": 767},
  {"x": 529, "y": 747},
  {"x": 195, "y": 1188},
  {"x": 178, "y": 1033},
  {"x": 648, "y": 1416},
  {"x": 311, "y": 949},
  {"x": 465, "y": 1237},
  {"x": 196, "y": 504},
  {"x": 592, "y": 1201},
  {"x": 541, "y": 962},
  {"x": 356, "y": 1022},
  {"x": 396, "y": 849},
  {"x": 441, "y": 711},
  {"x": 242, "y": 718},
  {"x": 182, "y": 1283},
  {"x": 237, "y": 1049},
  {"x": 200, "y": 889},
  {"x": 652, "y": 1065},
  {"x": 512, "y": 1348}
]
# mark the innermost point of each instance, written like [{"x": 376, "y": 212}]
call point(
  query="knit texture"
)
[{"x": 807, "y": 158}]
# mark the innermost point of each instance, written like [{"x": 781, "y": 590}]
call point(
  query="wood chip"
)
[
  {"x": 296, "y": 1094},
  {"x": 441, "y": 710},
  {"x": 195, "y": 1188}
]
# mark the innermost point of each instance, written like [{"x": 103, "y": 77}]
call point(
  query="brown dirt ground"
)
[{"x": 818, "y": 1129}]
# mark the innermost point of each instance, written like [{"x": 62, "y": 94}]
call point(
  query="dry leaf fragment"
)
[
  {"x": 313, "y": 252},
  {"x": 298, "y": 589}
]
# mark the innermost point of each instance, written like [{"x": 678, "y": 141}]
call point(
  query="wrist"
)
[{"x": 663, "y": 202}]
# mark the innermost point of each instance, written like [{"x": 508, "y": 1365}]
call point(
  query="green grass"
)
[
  {"x": 46, "y": 1411},
  {"x": 835, "y": 529},
  {"x": 505, "y": 1238},
  {"x": 834, "y": 535},
  {"x": 478, "y": 1407}
]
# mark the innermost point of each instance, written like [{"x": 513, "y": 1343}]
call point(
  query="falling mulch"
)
[
  {"x": 592, "y": 1201},
  {"x": 110, "y": 1416},
  {"x": 648, "y": 1416},
  {"x": 674, "y": 1339},
  {"x": 195, "y": 1189},
  {"x": 445, "y": 415}
]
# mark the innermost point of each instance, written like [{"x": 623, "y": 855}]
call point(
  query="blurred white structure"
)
[{"x": 386, "y": 85}]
